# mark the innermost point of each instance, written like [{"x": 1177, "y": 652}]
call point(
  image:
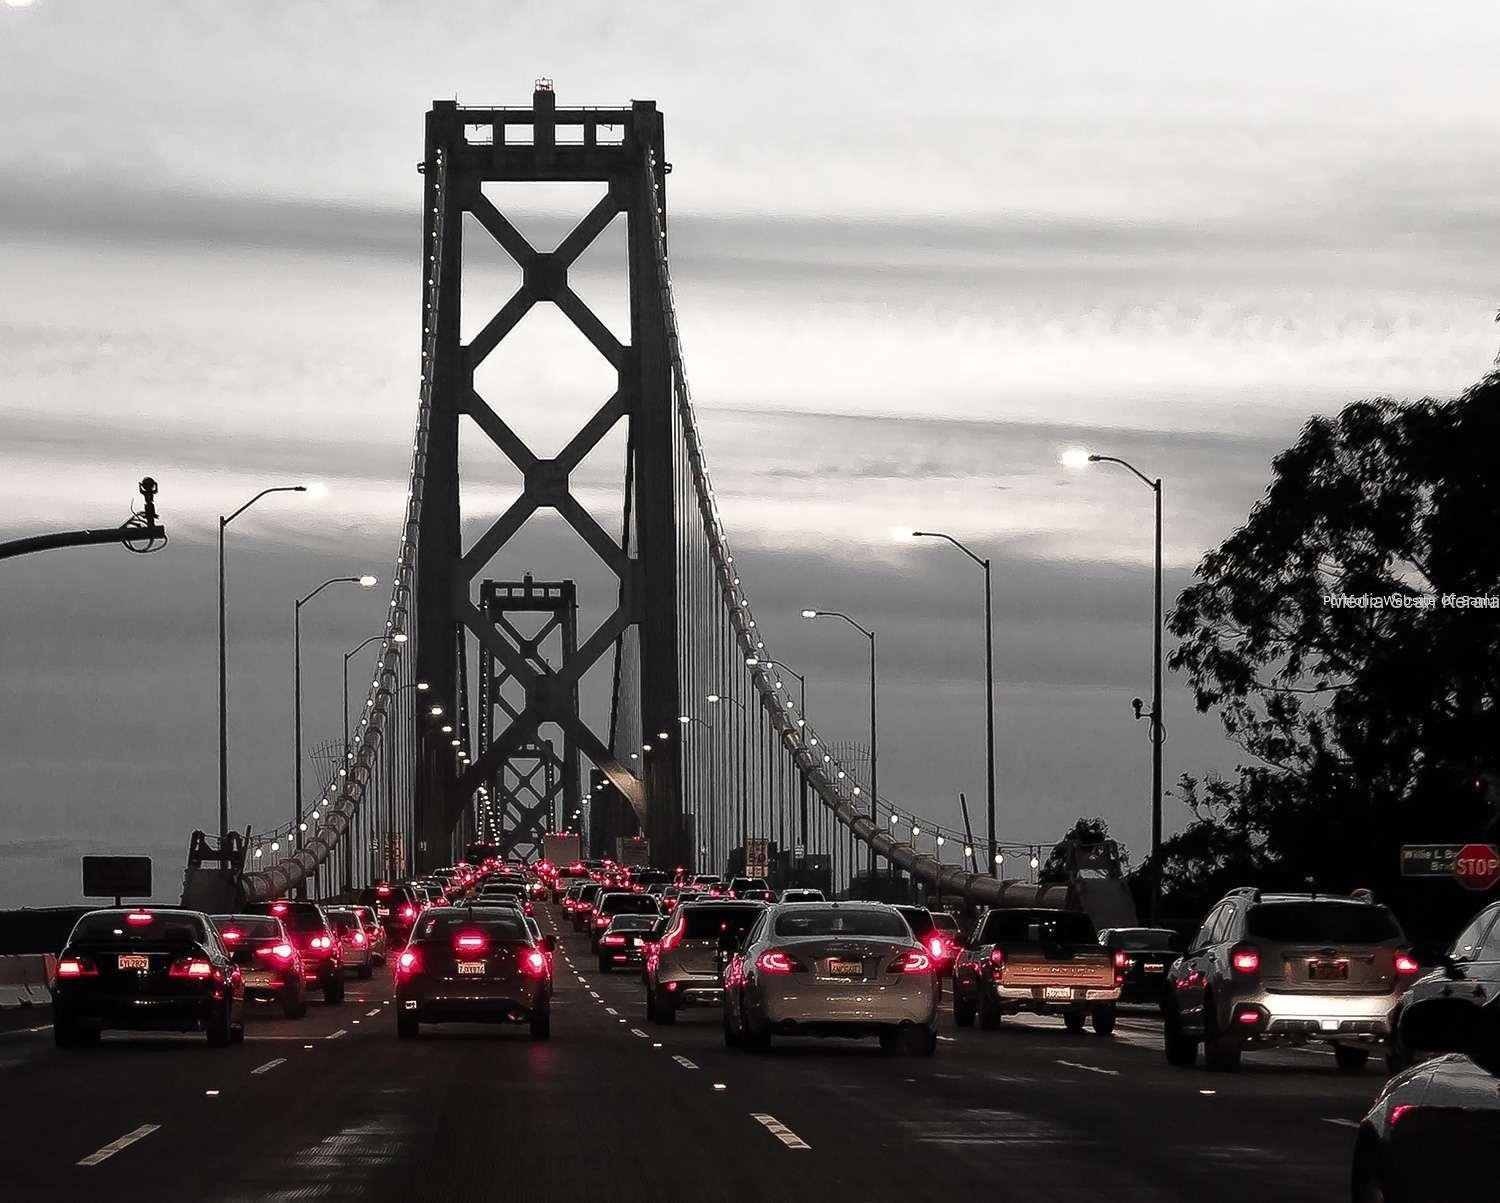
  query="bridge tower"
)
[{"x": 616, "y": 148}]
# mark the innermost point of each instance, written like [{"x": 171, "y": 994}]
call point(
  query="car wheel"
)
[
  {"x": 1349, "y": 1059},
  {"x": 604, "y": 965},
  {"x": 664, "y": 1008},
  {"x": 1221, "y": 1051},
  {"x": 731, "y": 1037},
  {"x": 1074, "y": 1021},
  {"x": 650, "y": 1004},
  {"x": 963, "y": 1012},
  {"x": 333, "y": 993},
  {"x": 365, "y": 972},
  {"x": 219, "y": 1029},
  {"x": 237, "y": 1034},
  {"x": 757, "y": 1040},
  {"x": 407, "y": 1026},
  {"x": 293, "y": 1006},
  {"x": 989, "y": 1013},
  {"x": 921, "y": 1042},
  {"x": 541, "y": 1024},
  {"x": 1104, "y": 1020},
  {"x": 1182, "y": 1051}
]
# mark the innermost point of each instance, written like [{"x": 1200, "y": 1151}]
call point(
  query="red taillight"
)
[
  {"x": 76, "y": 967},
  {"x": 913, "y": 960},
  {"x": 408, "y": 911},
  {"x": 359, "y": 939},
  {"x": 278, "y": 908},
  {"x": 138, "y": 918},
  {"x": 601, "y": 920},
  {"x": 534, "y": 963},
  {"x": 937, "y": 946},
  {"x": 1406, "y": 964},
  {"x": 382, "y": 890},
  {"x": 997, "y": 958},
  {"x": 613, "y": 941},
  {"x": 190, "y": 967},
  {"x": 1247, "y": 1017},
  {"x": 773, "y": 960},
  {"x": 1122, "y": 960},
  {"x": 470, "y": 941},
  {"x": 1399, "y": 1110},
  {"x": 321, "y": 942},
  {"x": 281, "y": 952},
  {"x": 229, "y": 935},
  {"x": 408, "y": 962},
  {"x": 1245, "y": 960}
]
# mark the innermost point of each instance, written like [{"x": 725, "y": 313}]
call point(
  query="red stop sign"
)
[{"x": 1477, "y": 866}]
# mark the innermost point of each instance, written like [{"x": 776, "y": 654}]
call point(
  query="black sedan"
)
[
  {"x": 1149, "y": 953},
  {"x": 623, "y": 942},
  {"x": 146, "y": 969}
]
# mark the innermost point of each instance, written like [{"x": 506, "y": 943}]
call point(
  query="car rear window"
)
[
  {"x": 1143, "y": 939},
  {"x": 943, "y": 921},
  {"x": 810, "y": 919},
  {"x": 1322, "y": 923},
  {"x": 497, "y": 924},
  {"x": 256, "y": 927},
  {"x": 1037, "y": 927},
  {"x": 709, "y": 920},
  {"x": 303, "y": 918},
  {"x": 636, "y": 904},
  {"x": 918, "y": 919},
  {"x": 113, "y": 927},
  {"x": 633, "y": 923}
]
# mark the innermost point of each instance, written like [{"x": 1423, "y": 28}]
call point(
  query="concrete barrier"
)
[{"x": 24, "y": 980}]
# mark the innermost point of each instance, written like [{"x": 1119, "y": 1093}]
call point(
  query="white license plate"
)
[
  {"x": 1058, "y": 993},
  {"x": 383, "y": 911},
  {"x": 470, "y": 968},
  {"x": 635, "y": 943},
  {"x": 259, "y": 979},
  {"x": 846, "y": 968},
  {"x": 1156, "y": 968},
  {"x": 134, "y": 960}
]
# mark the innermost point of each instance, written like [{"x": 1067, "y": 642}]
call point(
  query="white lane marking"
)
[
  {"x": 337, "y": 1034},
  {"x": 1342, "y": 1123},
  {"x": 948, "y": 1039},
  {"x": 1093, "y": 1069},
  {"x": 376, "y": 1011},
  {"x": 593, "y": 994},
  {"x": 611, "y": 1011},
  {"x": 780, "y": 1131},
  {"x": 638, "y": 1032},
  {"x": 115, "y": 1146},
  {"x": 268, "y": 1066},
  {"x": 684, "y": 1062}
]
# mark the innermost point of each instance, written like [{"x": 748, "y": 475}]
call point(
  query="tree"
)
[
  {"x": 1084, "y": 834},
  {"x": 1325, "y": 633}
]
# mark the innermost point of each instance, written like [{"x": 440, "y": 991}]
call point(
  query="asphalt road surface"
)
[{"x": 614, "y": 1108}]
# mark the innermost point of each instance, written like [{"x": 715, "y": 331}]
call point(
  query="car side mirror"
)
[
  {"x": 549, "y": 942},
  {"x": 1450, "y": 965}
]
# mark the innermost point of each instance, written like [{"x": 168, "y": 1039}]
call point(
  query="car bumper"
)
[
  {"x": 692, "y": 989},
  {"x": 854, "y": 1003},
  {"x": 473, "y": 1002},
  {"x": 354, "y": 958},
  {"x": 156, "y": 1014},
  {"x": 1036, "y": 1000},
  {"x": 270, "y": 987},
  {"x": 1315, "y": 1016}
]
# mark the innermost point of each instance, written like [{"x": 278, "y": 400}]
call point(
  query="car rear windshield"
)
[
  {"x": 633, "y": 923},
  {"x": 943, "y": 921},
  {"x": 918, "y": 919},
  {"x": 254, "y": 927},
  {"x": 503, "y": 889},
  {"x": 708, "y": 921},
  {"x": 587, "y": 893},
  {"x": 1143, "y": 939},
  {"x": 302, "y": 918},
  {"x": 113, "y": 927},
  {"x": 1323, "y": 923},
  {"x": 497, "y": 925},
  {"x": 636, "y": 904},
  {"x": 813, "y": 920},
  {"x": 1037, "y": 927}
]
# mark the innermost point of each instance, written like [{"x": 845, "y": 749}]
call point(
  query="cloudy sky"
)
[{"x": 918, "y": 251}]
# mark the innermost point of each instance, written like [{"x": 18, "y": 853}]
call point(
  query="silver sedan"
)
[{"x": 831, "y": 969}]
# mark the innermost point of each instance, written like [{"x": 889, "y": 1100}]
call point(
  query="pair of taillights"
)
[
  {"x": 613, "y": 941},
  {"x": 1247, "y": 960},
  {"x": 775, "y": 960},
  {"x": 532, "y": 962},
  {"x": 190, "y": 967}
]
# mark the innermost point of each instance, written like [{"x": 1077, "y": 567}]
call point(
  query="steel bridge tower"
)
[{"x": 545, "y": 143}]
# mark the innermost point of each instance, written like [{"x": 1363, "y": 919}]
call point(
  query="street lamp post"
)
[
  {"x": 874, "y": 749},
  {"x": 1076, "y": 458},
  {"x": 989, "y": 685},
  {"x": 715, "y": 699},
  {"x": 365, "y": 582},
  {"x": 758, "y": 661},
  {"x": 223, "y": 656}
]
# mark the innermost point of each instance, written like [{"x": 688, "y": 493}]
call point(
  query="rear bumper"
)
[
  {"x": 1365, "y": 1017},
  {"x": 690, "y": 989},
  {"x": 473, "y": 1003},
  {"x": 277, "y": 987},
  {"x": 179, "y": 1013},
  {"x": 1034, "y": 998},
  {"x": 856, "y": 1004}
]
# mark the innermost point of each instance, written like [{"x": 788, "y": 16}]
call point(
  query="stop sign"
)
[{"x": 1477, "y": 866}]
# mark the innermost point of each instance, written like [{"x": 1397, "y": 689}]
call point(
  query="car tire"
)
[
  {"x": 650, "y": 1004},
  {"x": 989, "y": 1013},
  {"x": 1221, "y": 1050},
  {"x": 407, "y": 1026},
  {"x": 237, "y": 1033},
  {"x": 333, "y": 993},
  {"x": 757, "y": 1040},
  {"x": 664, "y": 1008},
  {"x": 219, "y": 1030},
  {"x": 921, "y": 1042},
  {"x": 1349, "y": 1059},
  {"x": 293, "y": 1006},
  {"x": 541, "y": 1023},
  {"x": 963, "y": 1012},
  {"x": 365, "y": 972},
  {"x": 1181, "y": 1051},
  {"x": 731, "y": 1037},
  {"x": 605, "y": 965},
  {"x": 1104, "y": 1020},
  {"x": 1074, "y": 1021}
]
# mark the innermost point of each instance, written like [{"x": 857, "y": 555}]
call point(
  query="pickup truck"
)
[{"x": 1047, "y": 962}]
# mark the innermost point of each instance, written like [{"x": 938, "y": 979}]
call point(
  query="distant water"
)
[{"x": 50, "y": 872}]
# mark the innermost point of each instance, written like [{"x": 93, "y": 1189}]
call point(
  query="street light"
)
[
  {"x": 223, "y": 683},
  {"x": 989, "y": 680},
  {"x": 714, "y": 699},
  {"x": 1078, "y": 457},
  {"x": 364, "y": 582},
  {"x": 874, "y": 751}
]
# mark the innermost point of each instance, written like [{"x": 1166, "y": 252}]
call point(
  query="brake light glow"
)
[
  {"x": 320, "y": 942},
  {"x": 601, "y": 920},
  {"x": 138, "y": 918},
  {"x": 913, "y": 960},
  {"x": 359, "y": 939},
  {"x": 938, "y": 947},
  {"x": 190, "y": 967},
  {"x": 1248, "y": 1017},
  {"x": 282, "y": 952},
  {"x": 229, "y": 935},
  {"x": 534, "y": 963},
  {"x": 408, "y": 962},
  {"x": 76, "y": 967},
  {"x": 382, "y": 890},
  {"x": 1122, "y": 960},
  {"x": 470, "y": 941},
  {"x": 408, "y": 911},
  {"x": 1245, "y": 960},
  {"x": 773, "y": 960},
  {"x": 673, "y": 936},
  {"x": 1399, "y": 1110},
  {"x": 1406, "y": 964},
  {"x": 997, "y": 958}
]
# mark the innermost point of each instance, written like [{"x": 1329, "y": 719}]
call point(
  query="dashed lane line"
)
[
  {"x": 780, "y": 1131},
  {"x": 685, "y": 1063},
  {"x": 1342, "y": 1123},
  {"x": 337, "y": 1034},
  {"x": 1093, "y": 1069},
  {"x": 115, "y": 1146},
  {"x": 638, "y": 1032},
  {"x": 268, "y": 1066},
  {"x": 369, "y": 1014},
  {"x": 611, "y": 1011}
]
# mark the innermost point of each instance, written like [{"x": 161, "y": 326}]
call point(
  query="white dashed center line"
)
[
  {"x": 1093, "y": 1069},
  {"x": 780, "y": 1131},
  {"x": 685, "y": 1063},
  {"x": 268, "y": 1066},
  {"x": 638, "y": 1032},
  {"x": 337, "y": 1034},
  {"x": 376, "y": 1011},
  {"x": 611, "y": 1011},
  {"x": 115, "y": 1146}
]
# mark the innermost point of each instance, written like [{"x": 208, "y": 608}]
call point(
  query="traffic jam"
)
[{"x": 481, "y": 943}]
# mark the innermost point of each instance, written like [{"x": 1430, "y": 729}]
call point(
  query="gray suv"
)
[
  {"x": 1275, "y": 969},
  {"x": 686, "y": 966}
]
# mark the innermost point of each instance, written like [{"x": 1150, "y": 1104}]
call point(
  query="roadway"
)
[{"x": 333, "y": 1106}]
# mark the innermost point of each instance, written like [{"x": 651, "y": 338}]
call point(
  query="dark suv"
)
[
  {"x": 313, "y": 937},
  {"x": 618, "y": 902},
  {"x": 397, "y": 908}
]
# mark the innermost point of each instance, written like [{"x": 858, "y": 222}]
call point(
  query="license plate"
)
[
  {"x": 1156, "y": 968},
  {"x": 134, "y": 960},
  {"x": 258, "y": 979},
  {"x": 1328, "y": 971},
  {"x": 846, "y": 968},
  {"x": 470, "y": 968},
  {"x": 383, "y": 911},
  {"x": 635, "y": 943},
  {"x": 1058, "y": 993}
]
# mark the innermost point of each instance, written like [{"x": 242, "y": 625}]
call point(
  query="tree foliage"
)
[
  {"x": 1365, "y": 725},
  {"x": 1084, "y": 833}
]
